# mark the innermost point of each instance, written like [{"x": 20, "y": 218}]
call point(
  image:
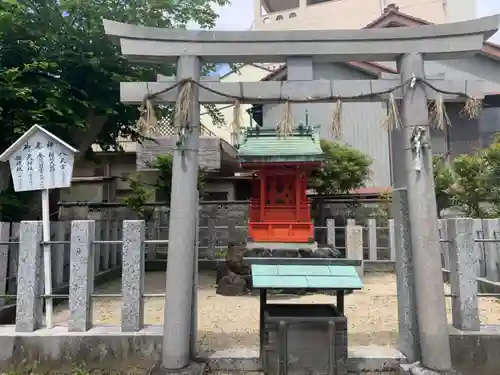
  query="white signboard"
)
[{"x": 39, "y": 161}]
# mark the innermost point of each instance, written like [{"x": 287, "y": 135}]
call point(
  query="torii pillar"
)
[
  {"x": 426, "y": 258},
  {"x": 182, "y": 231}
]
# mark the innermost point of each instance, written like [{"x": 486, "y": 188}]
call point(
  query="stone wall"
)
[
  {"x": 224, "y": 222},
  {"x": 220, "y": 224}
]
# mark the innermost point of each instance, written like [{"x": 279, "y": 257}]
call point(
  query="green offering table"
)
[{"x": 304, "y": 338}]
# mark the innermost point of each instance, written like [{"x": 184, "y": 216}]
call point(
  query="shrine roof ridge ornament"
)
[{"x": 445, "y": 41}]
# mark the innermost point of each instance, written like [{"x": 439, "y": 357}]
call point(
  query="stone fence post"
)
[
  {"x": 491, "y": 228},
  {"x": 463, "y": 265},
  {"x": 133, "y": 259},
  {"x": 98, "y": 249},
  {"x": 372, "y": 239},
  {"x": 151, "y": 235},
  {"x": 81, "y": 278},
  {"x": 196, "y": 278},
  {"x": 29, "y": 312},
  {"x": 330, "y": 231},
  {"x": 409, "y": 343},
  {"x": 444, "y": 246},
  {"x": 58, "y": 233},
  {"x": 392, "y": 240},
  {"x": 113, "y": 256},
  {"x": 4, "y": 258},
  {"x": 354, "y": 245}
]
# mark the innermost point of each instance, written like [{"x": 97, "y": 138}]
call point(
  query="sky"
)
[
  {"x": 239, "y": 15},
  {"x": 486, "y": 8}
]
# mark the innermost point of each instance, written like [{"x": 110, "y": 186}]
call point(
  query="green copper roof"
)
[
  {"x": 266, "y": 146},
  {"x": 281, "y": 276}
]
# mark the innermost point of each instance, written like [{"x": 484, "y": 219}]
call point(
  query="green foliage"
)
[
  {"x": 221, "y": 253},
  {"x": 471, "y": 186},
  {"x": 59, "y": 70},
  {"x": 137, "y": 198},
  {"x": 163, "y": 164},
  {"x": 13, "y": 206},
  {"x": 141, "y": 193},
  {"x": 345, "y": 168},
  {"x": 471, "y": 183},
  {"x": 443, "y": 182},
  {"x": 492, "y": 159},
  {"x": 382, "y": 211}
]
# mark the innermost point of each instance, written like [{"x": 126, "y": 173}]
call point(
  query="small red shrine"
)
[{"x": 279, "y": 208}]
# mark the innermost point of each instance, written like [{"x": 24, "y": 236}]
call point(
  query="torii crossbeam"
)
[
  {"x": 436, "y": 42},
  {"x": 406, "y": 45}
]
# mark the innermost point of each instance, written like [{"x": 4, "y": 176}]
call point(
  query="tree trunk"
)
[{"x": 84, "y": 138}]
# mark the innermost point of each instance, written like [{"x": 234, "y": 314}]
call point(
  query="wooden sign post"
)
[{"x": 41, "y": 161}]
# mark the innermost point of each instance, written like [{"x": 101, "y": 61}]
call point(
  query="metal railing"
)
[
  {"x": 465, "y": 245},
  {"x": 106, "y": 255}
]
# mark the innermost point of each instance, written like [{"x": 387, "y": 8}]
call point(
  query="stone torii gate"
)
[{"x": 300, "y": 49}]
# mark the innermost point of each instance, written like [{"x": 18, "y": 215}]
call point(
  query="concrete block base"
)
[
  {"x": 194, "y": 368},
  {"x": 109, "y": 348},
  {"x": 374, "y": 358},
  {"x": 476, "y": 353},
  {"x": 281, "y": 245},
  {"x": 418, "y": 369},
  {"x": 237, "y": 359}
]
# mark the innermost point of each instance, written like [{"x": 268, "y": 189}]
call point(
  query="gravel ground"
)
[{"x": 229, "y": 322}]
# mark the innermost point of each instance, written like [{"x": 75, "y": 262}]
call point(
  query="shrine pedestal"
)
[
  {"x": 281, "y": 245},
  {"x": 304, "y": 339},
  {"x": 233, "y": 275},
  {"x": 261, "y": 250}
]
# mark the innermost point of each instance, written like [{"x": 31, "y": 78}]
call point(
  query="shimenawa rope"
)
[{"x": 148, "y": 120}]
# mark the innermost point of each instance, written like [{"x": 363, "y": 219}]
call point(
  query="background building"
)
[
  {"x": 361, "y": 121},
  {"x": 352, "y": 14}
]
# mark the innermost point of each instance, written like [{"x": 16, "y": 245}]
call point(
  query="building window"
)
[
  {"x": 215, "y": 196},
  {"x": 393, "y": 24},
  {"x": 292, "y": 15},
  {"x": 279, "y": 18}
]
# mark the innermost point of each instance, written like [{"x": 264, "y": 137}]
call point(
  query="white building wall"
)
[
  {"x": 247, "y": 73},
  {"x": 361, "y": 122},
  {"x": 355, "y": 14}
]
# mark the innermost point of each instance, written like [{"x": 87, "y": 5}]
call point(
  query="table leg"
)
[
  {"x": 332, "y": 349},
  {"x": 282, "y": 349},
  {"x": 262, "y": 325},
  {"x": 340, "y": 301}
]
